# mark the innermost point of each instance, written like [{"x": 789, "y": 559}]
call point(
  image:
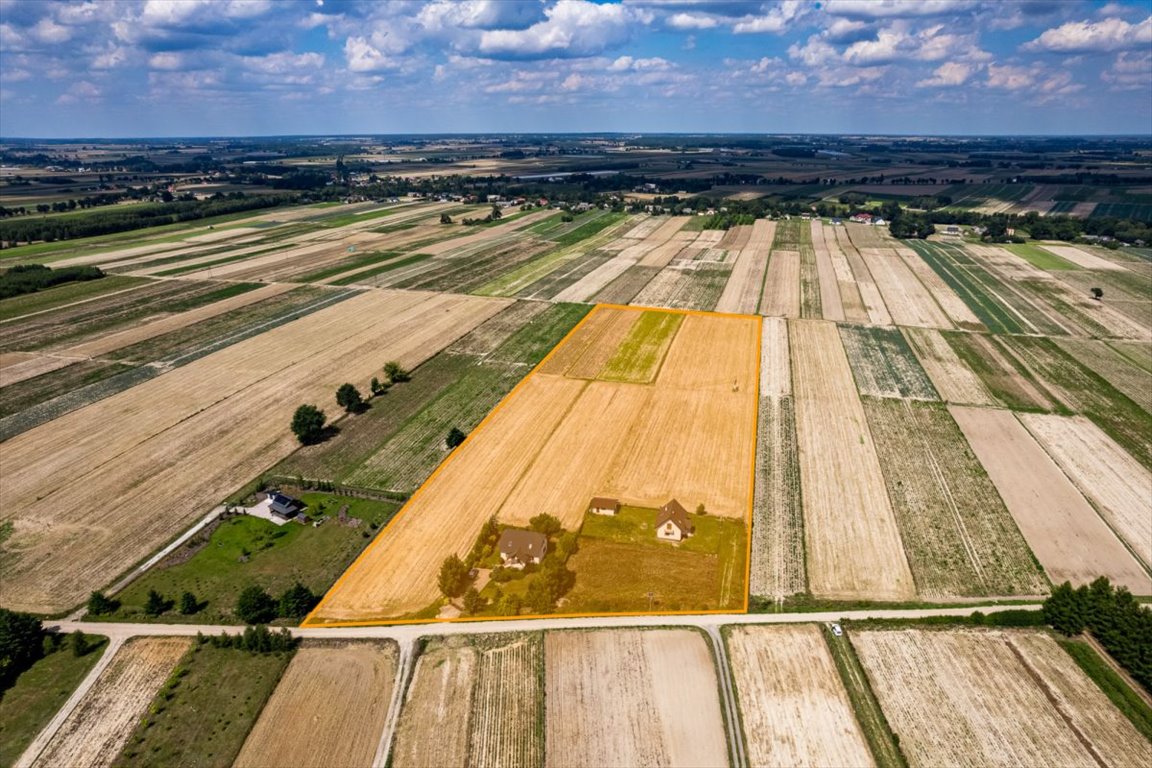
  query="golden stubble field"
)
[
  {"x": 629, "y": 697},
  {"x": 338, "y": 697},
  {"x": 985, "y": 698},
  {"x": 793, "y": 705},
  {"x": 105, "y": 486},
  {"x": 557, "y": 440}
]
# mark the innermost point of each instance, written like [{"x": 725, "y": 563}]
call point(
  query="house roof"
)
[
  {"x": 603, "y": 502},
  {"x": 282, "y": 504},
  {"x": 674, "y": 511},
  {"x": 522, "y": 545}
]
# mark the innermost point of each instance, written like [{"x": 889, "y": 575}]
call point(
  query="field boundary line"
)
[
  {"x": 733, "y": 717},
  {"x": 748, "y": 517},
  {"x": 404, "y": 667},
  {"x": 49, "y": 731},
  {"x": 74, "y": 303},
  {"x": 308, "y": 620}
]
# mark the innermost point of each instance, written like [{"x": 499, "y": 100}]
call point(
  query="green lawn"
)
[
  {"x": 1038, "y": 257},
  {"x": 620, "y": 560},
  {"x": 29, "y": 704},
  {"x": 639, "y": 356},
  {"x": 247, "y": 550},
  {"x": 64, "y": 294},
  {"x": 206, "y": 709}
]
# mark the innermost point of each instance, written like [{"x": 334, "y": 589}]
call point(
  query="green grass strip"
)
[
  {"x": 64, "y": 294},
  {"x": 1118, "y": 692},
  {"x": 884, "y": 744},
  {"x": 640, "y": 355},
  {"x": 414, "y": 259},
  {"x": 367, "y": 259},
  {"x": 1038, "y": 257},
  {"x": 586, "y": 230},
  {"x": 209, "y": 264}
]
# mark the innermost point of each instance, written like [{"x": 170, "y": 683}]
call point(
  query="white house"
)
[
  {"x": 672, "y": 523},
  {"x": 603, "y": 506}
]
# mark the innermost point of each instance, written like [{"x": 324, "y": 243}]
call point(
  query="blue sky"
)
[{"x": 115, "y": 68}]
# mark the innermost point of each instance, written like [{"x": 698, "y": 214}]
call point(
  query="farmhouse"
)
[
  {"x": 283, "y": 506},
  {"x": 603, "y": 506},
  {"x": 519, "y": 548},
  {"x": 672, "y": 523}
]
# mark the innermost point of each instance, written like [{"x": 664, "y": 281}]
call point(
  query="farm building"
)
[
  {"x": 283, "y": 506},
  {"x": 603, "y": 506},
  {"x": 672, "y": 523},
  {"x": 519, "y": 548}
]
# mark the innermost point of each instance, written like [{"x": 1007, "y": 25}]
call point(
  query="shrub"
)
[{"x": 255, "y": 606}]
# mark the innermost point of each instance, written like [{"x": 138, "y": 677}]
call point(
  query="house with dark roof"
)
[
  {"x": 519, "y": 548},
  {"x": 283, "y": 506},
  {"x": 601, "y": 505},
  {"x": 672, "y": 522}
]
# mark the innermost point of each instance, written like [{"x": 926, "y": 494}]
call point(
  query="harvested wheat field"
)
[
  {"x": 434, "y": 723},
  {"x": 953, "y": 379},
  {"x": 853, "y": 545},
  {"x": 831, "y": 305},
  {"x": 793, "y": 706},
  {"x": 870, "y": 295},
  {"x": 629, "y": 697},
  {"x": 742, "y": 291},
  {"x": 95, "y": 732},
  {"x": 206, "y": 428},
  {"x": 1080, "y": 257},
  {"x": 341, "y": 691},
  {"x": 1118, "y": 485},
  {"x": 775, "y": 365},
  {"x": 533, "y": 451},
  {"x": 782, "y": 285},
  {"x": 1066, "y": 534},
  {"x": 973, "y": 698},
  {"x": 905, "y": 296}
]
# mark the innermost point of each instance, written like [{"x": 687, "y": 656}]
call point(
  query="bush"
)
[
  {"x": 546, "y": 524},
  {"x": 100, "y": 605},
  {"x": 80, "y": 644},
  {"x": 156, "y": 604},
  {"x": 455, "y": 438},
  {"x": 395, "y": 372},
  {"x": 255, "y": 606},
  {"x": 349, "y": 398}
]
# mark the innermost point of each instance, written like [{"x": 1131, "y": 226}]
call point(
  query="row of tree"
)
[
  {"x": 309, "y": 423},
  {"x": 1113, "y": 616},
  {"x": 255, "y": 606},
  {"x": 30, "y": 278}
]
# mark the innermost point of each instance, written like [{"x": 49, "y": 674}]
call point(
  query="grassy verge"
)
[
  {"x": 1113, "y": 686},
  {"x": 884, "y": 744},
  {"x": 64, "y": 294},
  {"x": 1038, "y": 257},
  {"x": 38, "y": 693},
  {"x": 206, "y": 709},
  {"x": 244, "y": 550}
]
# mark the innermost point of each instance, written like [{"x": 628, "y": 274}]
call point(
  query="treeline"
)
[
  {"x": 1122, "y": 625},
  {"x": 255, "y": 639},
  {"x": 29, "y": 278},
  {"x": 106, "y": 222}
]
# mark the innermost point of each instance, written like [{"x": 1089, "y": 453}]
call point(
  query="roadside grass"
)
[
  {"x": 619, "y": 561},
  {"x": 1038, "y": 257},
  {"x": 203, "y": 714},
  {"x": 639, "y": 356},
  {"x": 884, "y": 744},
  {"x": 65, "y": 294},
  {"x": 1118, "y": 692},
  {"x": 244, "y": 550},
  {"x": 39, "y": 692}
]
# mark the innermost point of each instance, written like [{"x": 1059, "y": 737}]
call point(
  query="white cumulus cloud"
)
[{"x": 1094, "y": 37}]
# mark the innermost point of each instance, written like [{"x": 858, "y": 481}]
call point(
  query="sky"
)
[{"x": 145, "y": 68}]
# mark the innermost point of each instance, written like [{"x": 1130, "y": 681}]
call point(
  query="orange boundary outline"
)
[{"x": 308, "y": 620}]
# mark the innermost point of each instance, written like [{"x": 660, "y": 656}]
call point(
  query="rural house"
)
[
  {"x": 283, "y": 506},
  {"x": 672, "y": 523},
  {"x": 603, "y": 506},
  {"x": 519, "y": 548}
]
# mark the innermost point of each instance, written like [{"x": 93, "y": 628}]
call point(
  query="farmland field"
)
[
  {"x": 853, "y": 543},
  {"x": 192, "y": 428},
  {"x": 883, "y": 364},
  {"x": 1110, "y": 364},
  {"x": 957, "y": 534},
  {"x": 1066, "y": 534},
  {"x": 793, "y": 707},
  {"x": 101, "y": 724},
  {"x": 628, "y": 697},
  {"x": 473, "y": 702},
  {"x": 952, "y": 379},
  {"x": 993, "y": 698},
  {"x": 342, "y": 691},
  {"x": 532, "y": 452}
]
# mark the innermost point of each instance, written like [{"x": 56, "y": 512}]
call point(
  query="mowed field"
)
[
  {"x": 628, "y": 697},
  {"x": 974, "y": 698},
  {"x": 338, "y": 696},
  {"x": 854, "y": 549},
  {"x": 104, "y": 486},
  {"x": 793, "y": 705},
  {"x": 98, "y": 728},
  {"x": 593, "y": 420}
]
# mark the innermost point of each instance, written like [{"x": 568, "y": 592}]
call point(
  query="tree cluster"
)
[
  {"x": 255, "y": 639},
  {"x": 1122, "y": 625},
  {"x": 255, "y": 606},
  {"x": 21, "y": 644},
  {"x": 29, "y": 278}
]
